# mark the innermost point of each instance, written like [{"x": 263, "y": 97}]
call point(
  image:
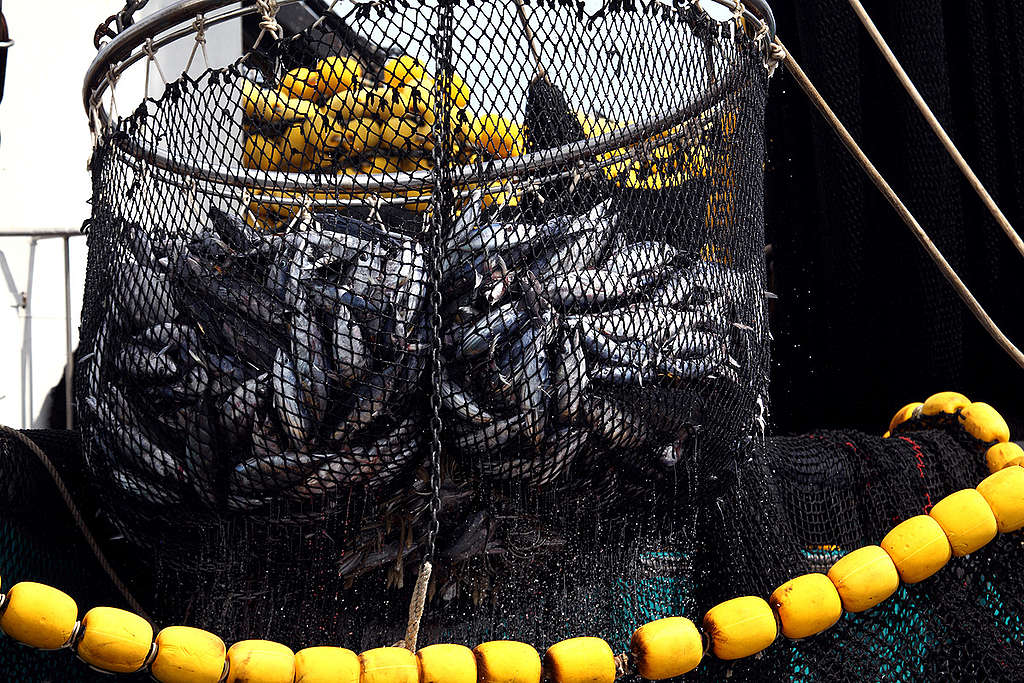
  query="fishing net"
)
[
  {"x": 832, "y": 491},
  {"x": 500, "y": 265},
  {"x": 539, "y": 244}
]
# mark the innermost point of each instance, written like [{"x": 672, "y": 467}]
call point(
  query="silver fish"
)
[
  {"x": 143, "y": 295},
  {"x": 618, "y": 425},
  {"x": 310, "y": 364},
  {"x": 143, "y": 490},
  {"x": 571, "y": 378},
  {"x": 489, "y": 438},
  {"x": 238, "y": 412},
  {"x": 351, "y": 358},
  {"x": 141, "y": 363},
  {"x": 459, "y": 402},
  {"x": 585, "y": 288},
  {"x": 123, "y": 427},
  {"x": 374, "y": 465},
  {"x": 558, "y": 450},
  {"x": 294, "y": 418},
  {"x": 502, "y": 320},
  {"x": 641, "y": 257},
  {"x": 531, "y": 376}
]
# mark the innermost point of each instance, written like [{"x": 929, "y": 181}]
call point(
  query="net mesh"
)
[
  {"x": 260, "y": 365},
  {"x": 257, "y": 380}
]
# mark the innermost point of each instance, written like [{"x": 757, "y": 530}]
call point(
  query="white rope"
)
[
  {"x": 112, "y": 79},
  {"x": 904, "y": 213},
  {"x": 417, "y": 606},
  {"x": 936, "y": 127},
  {"x": 199, "y": 24},
  {"x": 776, "y": 55},
  {"x": 320, "y": 20},
  {"x": 268, "y": 8},
  {"x": 150, "y": 51}
]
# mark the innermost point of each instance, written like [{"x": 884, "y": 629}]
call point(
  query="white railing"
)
[{"x": 23, "y": 302}]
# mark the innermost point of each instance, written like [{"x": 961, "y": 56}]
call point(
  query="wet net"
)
[{"x": 500, "y": 265}]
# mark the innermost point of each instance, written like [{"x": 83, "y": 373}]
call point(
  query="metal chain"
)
[
  {"x": 439, "y": 227},
  {"x": 116, "y": 23}
]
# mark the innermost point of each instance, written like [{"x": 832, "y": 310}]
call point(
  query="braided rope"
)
[{"x": 76, "y": 515}]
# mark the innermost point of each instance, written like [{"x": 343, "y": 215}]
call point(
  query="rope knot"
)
[
  {"x": 268, "y": 9},
  {"x": 199, "y": 24}
]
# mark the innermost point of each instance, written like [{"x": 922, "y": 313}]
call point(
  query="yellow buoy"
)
[
  {"x": 114, "y": 640},
  {"x": 1004, "y": 493},
  {"x": 188, "y": 655},
  {"x": 944, "y": 402},
  {"x": 272, "y": 106},
  {"x": 39, "y": 615},
  {"x": 379, "y": 165},
  {"x": 806, "y": 605},
  {"x": 396, "y": 103},
  {"x": 405, "y": 70},
  {"x": 302, "y": 83},
  {"x": 740, "y": 627},
  {"x": 580, "y": 660},
  {"x": 349, "y": 104},
  {"x": 666, "y": 648},
  {"x": 260, "y": 661},
  {"x": 984, "y": 423},
  {"x": 458, "y": 91},
  {"x": 1003, "y": 455},
  {"x": 507, "y": 661},
  {"x": 360, "y": 135},
  {"x": 864, "y": 578},
  {"x": 902, "y": 415},
  {"x": 918, "y": 547},
  {"x": 264, "y": 153},
  {"x": 326, "y": 665},
  {"x": 389, "y": 665},
  {"x": 497, "y": 135},
  {"x": 446, "y": 663},
  {"x": 337, "y": 74},
  {"x": 966, "y": 519}
]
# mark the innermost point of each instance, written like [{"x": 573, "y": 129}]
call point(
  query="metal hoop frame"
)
[{"x": 129, "y": 47}]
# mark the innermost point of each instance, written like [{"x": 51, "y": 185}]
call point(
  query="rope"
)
[
  {"x": 199, "y": 24},
  {"x": 417, "y": 606},
  {"x": 936, "y": 127},
  {"x": 62, "y": 489},
  {"x": 622, "y": 665},
  {"x": 531, "y": 39},
  {"x": 904, "y": 213},
  {"x": 268, "y": 8}
]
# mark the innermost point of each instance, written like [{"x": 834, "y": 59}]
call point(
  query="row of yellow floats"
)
[{"x": 117, "y": 641}]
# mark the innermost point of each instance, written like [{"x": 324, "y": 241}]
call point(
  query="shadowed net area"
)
[{"x": 495, "y": 264}]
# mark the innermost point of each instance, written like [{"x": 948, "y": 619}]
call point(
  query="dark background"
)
[{"x": 865, "y": 322}]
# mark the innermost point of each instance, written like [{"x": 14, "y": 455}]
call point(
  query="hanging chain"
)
[
  {"x": 442, "y": 208},
  {"x": 438, "y": 227},
  {"x": 116, "y": 23}
]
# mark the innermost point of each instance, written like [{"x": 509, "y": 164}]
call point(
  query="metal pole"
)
[
  {"x": 26, "y": 343},
  {"x": 69, "y": 364}
]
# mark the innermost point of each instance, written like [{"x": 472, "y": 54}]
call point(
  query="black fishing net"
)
[
  {"x": 538, "y": 255},
  {"x": 567, "y": 281}
]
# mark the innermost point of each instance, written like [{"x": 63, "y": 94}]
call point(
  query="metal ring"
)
[
  {"x": 4, "y": 44},
  {"x": 122, "y": 51},
  {"x": 120, "y": 48}
]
